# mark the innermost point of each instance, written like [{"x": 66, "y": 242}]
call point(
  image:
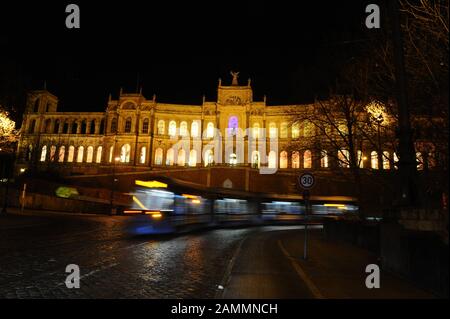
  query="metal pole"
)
[
  {"x": 23, "y": 197},
  {"x": 305, "y": 243}
]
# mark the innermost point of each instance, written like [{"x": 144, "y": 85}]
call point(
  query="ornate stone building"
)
[{"x": 139, "y": 134}]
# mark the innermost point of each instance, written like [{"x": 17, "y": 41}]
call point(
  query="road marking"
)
[{"x": 311, "y": 286}]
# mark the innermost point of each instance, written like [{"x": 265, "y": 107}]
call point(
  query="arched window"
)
[
  {"x": 343, "y": 157},
  {"x": 284, "y": 130},
  {"x": 102, "y": 126},
  {"x": 47, "y": 126},
  {"x": 386, "y": 160},
  {"x": 295, "y": 159},
  {"x": 98, "y": 158},
  {"x": 43, "y": 153},
  {"x": 210, "y": 130},
  {"x": 92, "y": 127},
  {"x": 161, "y": 127},
  {"x": 62, "y": 150},
  {"x": 169, "y": 157},
  {"x": 256, "y": 128},
  {"x": 324, "y": 159},
  {"x": 233, "y": 125},
  {"x": 36, "y": 106},
  {"x": 30, "y": 152},
  {"x": 233, "y": 159},
  {"x": 374, "y": 160},
  {"x": 71, "y": 154},
  {"x": 431, "y": 160},
  {"x": 56, "y": 127},
  {"x": 74, "y": 127},
  {"x": 114, "y": 125},
  {"x": 194, "y": 129},
  {"x": 145, "y": 126},
  {"x": 83, "y": 127},
  {"x": 419, "y": 160},
  {"x": 307, "y": 159},
  {"x": 52, "y": 153},
  {"x": 395, "y": 161},
  {"x": 172, "y": 128},
  {"x": 193, "y": 158},
  {"x": 66, "y": 128},
  {"x": 283, "y": 159},
  {"x": 255, "y": 159},
  {"x": 143, "y": 155},
  {"x": 128, "y": 125},
  {"x": 111, "y": 154},
  {"x": 272, "y": 159},
  {"x": 209, "y": 157},
  {"x": 272, "y": 130},
  {"x": 90, "y": 154},
  {"x": 125, "y": 153},
  {"x": 32, "y": 126},
  {"x": 183, "y": 128},
  {"x": 360, "y": 159},
  {"x": 159, "y": 156},
  {"x": 80, "y": 154},
  {"x": 309, "y": 129},
  {"x": 181, "y": 159},
  {"x": 295, "y": 130}
]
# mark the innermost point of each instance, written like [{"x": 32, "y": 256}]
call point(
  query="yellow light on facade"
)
[{"x": 151, "y": 184}]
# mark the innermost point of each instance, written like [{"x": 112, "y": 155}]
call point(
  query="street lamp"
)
[{"x": 113, "y": 186}]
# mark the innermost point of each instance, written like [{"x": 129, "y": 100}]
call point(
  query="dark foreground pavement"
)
[{"x": 259, "y": 262}]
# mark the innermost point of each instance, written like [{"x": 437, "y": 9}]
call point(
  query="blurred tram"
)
[{"x": 165, "y": 206}]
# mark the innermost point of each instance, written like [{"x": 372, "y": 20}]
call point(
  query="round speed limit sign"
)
[{"x": 306, "y": 180}]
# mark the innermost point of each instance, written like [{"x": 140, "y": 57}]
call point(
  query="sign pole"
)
[{"x": 306, "y": 181}]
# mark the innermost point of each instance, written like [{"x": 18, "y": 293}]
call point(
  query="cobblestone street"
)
[{"x": 35, "y": 252}]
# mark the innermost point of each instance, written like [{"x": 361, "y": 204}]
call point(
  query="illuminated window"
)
[
  {"x": 128, "y": 125},
  {"x": 125, "y": 153},
  {"x": 233, "y": 125},
  {"x": 52, "y": 153},
  {"x": 255, "y": 159},
  {"x": 272, "y": 159},
  {"x": 194, "y": 129},
  {"x": 71, "y": 154},
  {"x": 142, "y": 155},
  {"x": 181, "y": 159},
  {"x": 374, "y": 160},
  {"x": 159, "y": 156},
  {"x": 98, "y": 158},
  {"x": 256, "y": 130},
  {"x": 209, "y": 157},
  {"x": 307, "y": 159},
  {"x": 145, "y": 126},
  {"x": 386, "y": 161},
  {"x": 233, "y": 159},
  {"x": 172, "y": 128},
  {"x": 90, "y": 154},
  {"x": 193, "y": 158},
  {"x": 80, "y": 154},
  {"x": 324, "y": 159},
  {"x": 32, "y": 126},
  {"x": 284, "y": 130},
  {"x": 111, "y": 153},
  {"x": 419, "y": 160},
  {"x": 295, "y": 159},
  {"x": 61, "y": 153},
  {"x": 343, "y": 158},
  {"x": 161, "y": 127},
  {"x": 360, "y": 159},
  {"x": 210, "y": 130},
  {"x": 43, "y": 153},
  {"x": 283, "y": 159},
  {"x": 272, "y": 130},
  {"x": 169, "y": 157},
  {"x": 395, "y": 161},
  {"x": 295, "y": 131},
  {"x": 183, "y": 129}
]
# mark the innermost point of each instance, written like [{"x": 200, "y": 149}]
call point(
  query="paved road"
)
[{"x": 258, "y": 262}]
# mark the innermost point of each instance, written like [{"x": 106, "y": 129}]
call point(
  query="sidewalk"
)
[{"x": 332, "y": 270}]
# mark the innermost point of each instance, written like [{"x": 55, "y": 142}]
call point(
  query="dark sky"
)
[{"x": 290, "y": 49}]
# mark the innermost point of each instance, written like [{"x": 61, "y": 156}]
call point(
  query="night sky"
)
[{"x": 178, "y": 50}]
